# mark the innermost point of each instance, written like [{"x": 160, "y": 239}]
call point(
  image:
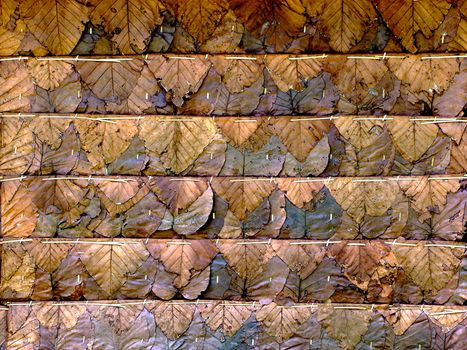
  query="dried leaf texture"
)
[
  {"x": 368, "y": 271},
  {"x": 285, "y": 146},
  {"x": 239, "y": 85},
  {"x": 274, "y": 26},
  {"x": 158, "y": 323},
  {"x": 347, "y": 208}
]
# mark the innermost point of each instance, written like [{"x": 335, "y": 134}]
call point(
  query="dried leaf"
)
[
  {"x": 282, "y": 322},
  {"x": 344, "y": 21},
  {"x": 173, "y": 319},
  {"x": 433, "y": 267},
  {"x": 195, "y": 216},
  {"x": 360, "y": 198},
  {"x": 243, "y": 196},
  {"x": 105, "y": 142},
  {"x": 180, "y": 76},
  {"x": 427, "y": 195},
  {"x": 111, "y": 80},
  {"x": 288, "y": 72},
  {"x": 49, "y": 74},
  {"x": 131, "y": 22},
  {"x": 347, "y": 326},
  {"x": 237, "y": 130},
  {"x": 110, "y": 264},
  {"x": 247, "y": 260},
  {"x": 9, "y": 41},
  {"x": 228, "y": 318},
  {"x": 401, "y": 320},
  {"x": 178, "y": 143},
  {"x": 299, "y": 193},
  {"x": 47, "y": 256},
  {"x": 17, "y": 147},
  {"x": 432, "y": 76},
  {"x": 300, "y": 136},
  {"x": 15, "y": 87},
  {"x": 407, "y": 17},
  {"x": 57, "y": 24},
  {"x": 199, "y": 17},
  {"x": 184, "y": 259}
]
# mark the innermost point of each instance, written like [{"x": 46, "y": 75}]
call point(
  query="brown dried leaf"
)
[
  {"x": 50, "y": 130},
  {"x": 344, "y": 21},
  {"x": 247, "y": 260},
  {"x": 17, "y": 147},
  {"x": 110, "y": 80},
  {"x": 130, "y": 21},
  {"x": 449, "y": 320},
  {"x": 433, "y": 76},
  {"x": 237, "y": 74},
  {"x": 242, "y": 196},
  {"x": 347, "y": 326},
  {"x": 401, "y": 320},
  {"x": 428, "y": 195},
  {"x": 360, "y": 133},
  {"x": 173, "y": 319},
  {"x": 57, "y": 24},
  {"x": 359, "y": 261},
  {"x": 228, "y": 318},
  {"x": 9, "y": 41},
  {"x": 226, "y": 37},
  {"x": 195, "y": 216},
  {"x": 412, "y": 138},
  {"x": 237, "y": 130},
  {"x": 110, "y": 264},
  {"x": 282, "y": 322},
  {"x": 285, "y": 17},
  {"x": 105, "y": 142},
  {"x": 199, "y": 17},
  {"x": 302, "y": 259},
  {"x": 47, "y": 256},
  {"x": 288, "y": 72},
  {"x": 432, "y": 268},
  {"x": 49, "y": 74},
  {"x": 360, "y": 198},
  {"x": 178, "y": 143},
  {"x": 181, "y": 76},
  {"x": 17, "y": 277},
  {"x": 300, "y": 136},
  {"x": 185, "y": 259},
  {"x": 15, "y": 87},
  {"x": 299, "y": 193}
]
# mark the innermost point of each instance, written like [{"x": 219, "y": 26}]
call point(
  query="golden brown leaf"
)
[
  {"x": 178, "y": 143},
  {"x": 432, "y": 268},
  {"x": 15, "y": 87},
  {"x": 412, "y": 138},
  {"x": 237, "y": 74},
  {"x": 9, "y": 41},
  {"x": 242, "y": 196},
  {"x": 428, "y": 195},
  {"x": 109, "y": 80},
  {"x": 247, "y": 260},
  {"x": 18, "y": 274},
  {"x": 185, "y": 259},
  {"x": 228, "y": 318},
  {"x": 105, "y": 142},
  {"x": 109, "y": 265},
  {"x": 50, "y": 130},
  {"x": 360, "y": 133},
  {"x": 407, "y": 17},
  {"x": 401, "y": 320},
  {"x": 226, "y": 37},
  {"x": 344, "y": 21},
  {"x": 433, "y": 76},
  {"x": 237, "y": 130},
  {"x": 131, "y": 22},
  {"x": 285, "y": 17},
  {"x": 173, "y": 319},
  {"x": 47, "y": 256},
  {"x": 361, "y": 198},
  {"x": 300, "y": 136},
  {"x": 17, "y": 147},
  {"x": 49, "y": 74},
  {"x": 282, "y": 322},
  {"x": 19, "y": 215},
  {"x": 299, "y": 193},
  {"x": 449, "y": 320},
  {"x": 56, "y": 24},
  {"x": 181, "y": 76},
  {"x": 288, "y": 72},
  {"x": 302, "y": 259},
  {"x": 199, "y": 17}
]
